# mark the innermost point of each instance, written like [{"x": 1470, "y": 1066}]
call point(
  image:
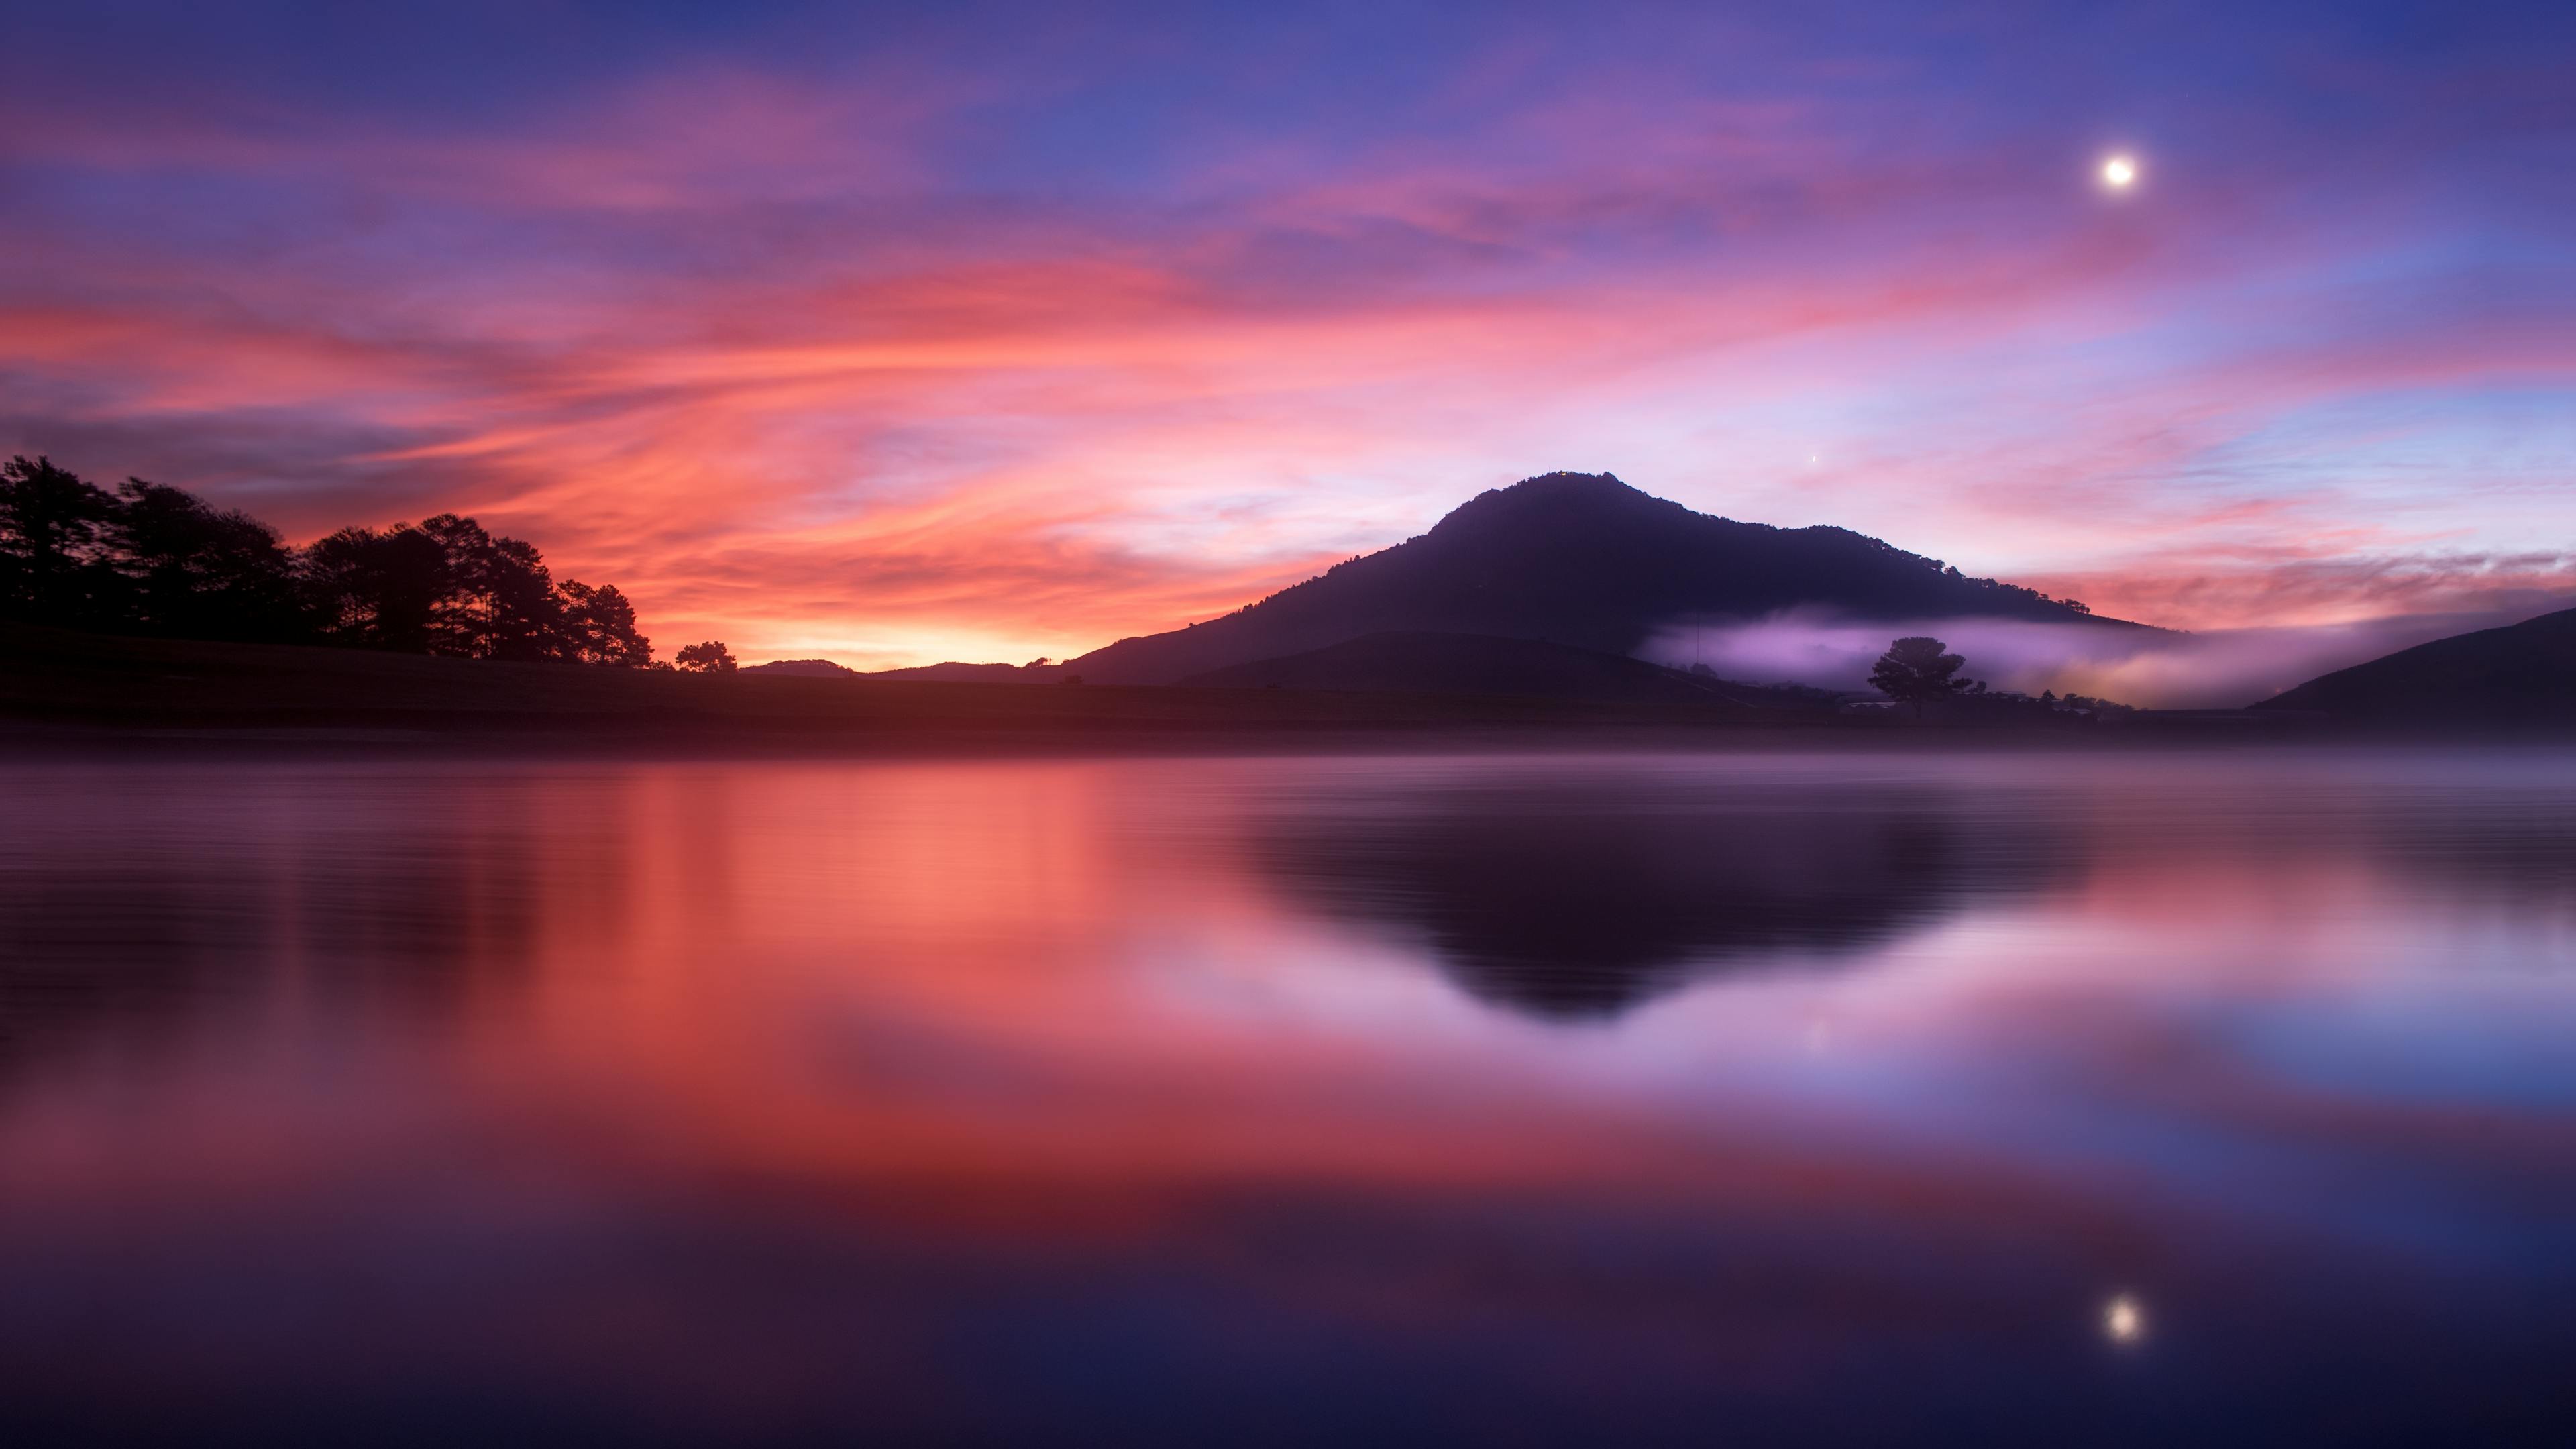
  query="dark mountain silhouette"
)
[
  {"x": 810, "y": 668},
  {"x": 1577, "y": 559},
  {"x": 1484, "y": 664},
  {"x": 2522, "y": 676}
]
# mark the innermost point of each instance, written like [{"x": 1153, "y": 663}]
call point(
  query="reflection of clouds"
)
[
  {"x": 1584, "y": 896},
  {"x": 881, "y": 1115},
  {"x": 2519, "y": 853}
]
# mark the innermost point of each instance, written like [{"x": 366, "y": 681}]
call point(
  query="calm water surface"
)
[{"x": 1752, "y": 1099}]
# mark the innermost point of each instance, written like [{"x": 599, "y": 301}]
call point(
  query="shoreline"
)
[{"x": 67, "y": 693}]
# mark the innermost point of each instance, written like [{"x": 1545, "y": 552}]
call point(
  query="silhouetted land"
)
[
  {"x": 60, "y": 687},
  {"x": 1512, "y": 621},
  {"x": 61, "y": 683}
]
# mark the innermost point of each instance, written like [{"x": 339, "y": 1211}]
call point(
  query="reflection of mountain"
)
[{"x": 1583, "y": 899}]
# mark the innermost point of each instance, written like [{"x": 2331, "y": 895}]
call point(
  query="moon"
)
[
  {"x": 2124, "y": 1320},
  {"x": 2119, "y": 173}
]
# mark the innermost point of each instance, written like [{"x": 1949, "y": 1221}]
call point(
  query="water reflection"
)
[
  {"x": 1582, "y": 898},
  {"x": 2196, "y": 1100},
  {"x": 134, "y": 902}
]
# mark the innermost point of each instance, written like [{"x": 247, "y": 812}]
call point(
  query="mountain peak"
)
[
  {"x": 1558, "y": 496},
  {"x": 1577, "y": 559},
  {"x": 1563, "y": 485}
]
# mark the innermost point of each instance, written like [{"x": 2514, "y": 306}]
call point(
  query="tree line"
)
[{"x": 147, "y": 558}]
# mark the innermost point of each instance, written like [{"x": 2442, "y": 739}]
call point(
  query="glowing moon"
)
[
  {"x": 2123, "y": 1320},
  {"x": 2119, "y": 173}
]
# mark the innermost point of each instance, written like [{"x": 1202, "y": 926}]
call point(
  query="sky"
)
[{"x": 899, "y": 333}]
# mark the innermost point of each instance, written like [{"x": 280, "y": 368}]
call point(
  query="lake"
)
[{"x": 1973, "y": 1098}]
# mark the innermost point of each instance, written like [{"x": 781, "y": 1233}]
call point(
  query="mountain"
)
[
  {"x": 2521, "y": 676},
  {"x": 1483, "y": 664},
  {"x": 1577, "y": 559}
]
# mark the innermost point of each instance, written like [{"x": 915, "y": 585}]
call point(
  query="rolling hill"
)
[{"x": 2521, "y": 676}]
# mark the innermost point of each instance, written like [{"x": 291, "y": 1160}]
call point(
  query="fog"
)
[{"x": 2153, "y": 668}]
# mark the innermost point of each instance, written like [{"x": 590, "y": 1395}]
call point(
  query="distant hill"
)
[
  {"x": 812, "y": 668},
  {"x": 2522, "y": 676},
  {"x": 949, "y": 673},
  {"x": 1415, "y": 663},
  {"x": 1581, "y": 560},
  {"x": 973, "y": 673}
]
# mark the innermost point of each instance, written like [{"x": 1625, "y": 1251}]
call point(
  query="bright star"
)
[{"x": 2119, "y": 173}]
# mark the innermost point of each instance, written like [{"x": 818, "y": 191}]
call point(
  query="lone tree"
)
[
  {"x": 1917, "y": 672},
  {"x": 708, "y": 658}
]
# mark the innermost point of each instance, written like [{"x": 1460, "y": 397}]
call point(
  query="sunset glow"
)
[{"x": 989, "y": 333}]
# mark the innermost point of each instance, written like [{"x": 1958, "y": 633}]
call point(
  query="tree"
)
[
  {"x": 708, "y": 658},
  {"x": 1916, "y": 671},
  {"x": 599, "y": 627},
  {"x": 501, "y": 602},
  {"x": 198, "y": 572},
  {"x": 160, "y": 560},
  {"x": 53, "y": 544},
  {"x": 380, "y": 590}
]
